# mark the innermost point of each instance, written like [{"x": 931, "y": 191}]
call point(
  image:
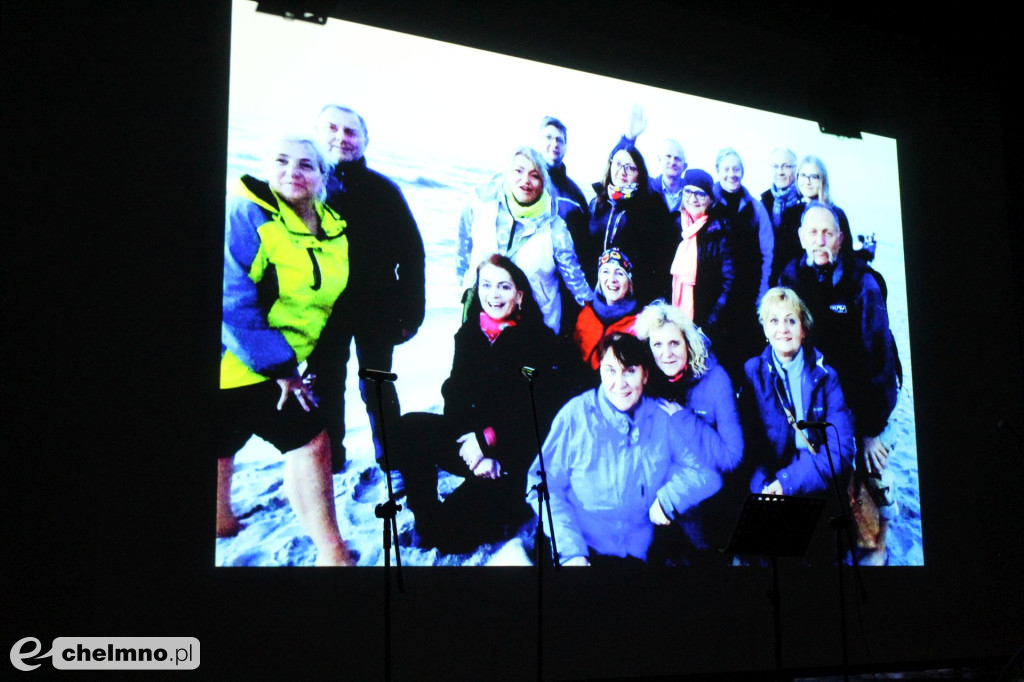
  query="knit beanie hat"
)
[
  {"x": 615, "y": 254},
  {"x": 699, "y": 178}
]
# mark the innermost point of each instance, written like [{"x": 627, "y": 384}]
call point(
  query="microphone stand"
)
[
  {"x": 543, "y": 502},
  {"x": 841, "y": 524},
  {"x": 386, "y": 511}
]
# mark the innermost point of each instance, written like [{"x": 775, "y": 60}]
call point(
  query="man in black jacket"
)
[
  {"x": 851, "y": 326},
  {"x": 571, "y": 204},
  {"x": 783, "y": 192},
  {"x": 552, "y": 145},
  {"x": 851, "y": 329},
  {"x": 383, "y": 305}
]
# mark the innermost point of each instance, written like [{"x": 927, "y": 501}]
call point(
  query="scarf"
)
[
  {"x": 610, "y": 313},
  {"x": 293, "y": 221},
  {"x": 784, "y": 198},
  {"x": 681, "y": 375},
  {"x": 623, "y": 422},
  {"x": 791, "y": 381},
  {"x": 492, "y": 327},
  {"x": 617, "y": 192},
  {"x": 684, "y": 265},
  {"x": 791, "y": 373},
  {"x": 535, "y": 210}
]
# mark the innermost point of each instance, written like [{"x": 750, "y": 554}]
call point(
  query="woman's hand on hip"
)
[{"x": 299, "y": 388}]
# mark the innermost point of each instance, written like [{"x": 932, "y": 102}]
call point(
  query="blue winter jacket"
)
[
  {"x": 771, "y": 442},
  {"x": 605, "y": 470},
  {"x": 711, "y": 402}
]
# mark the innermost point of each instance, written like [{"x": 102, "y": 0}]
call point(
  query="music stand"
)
[{"x": 774, "y": 526}]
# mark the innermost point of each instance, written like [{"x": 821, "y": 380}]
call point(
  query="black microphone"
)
[
  {"x": 528, "y": 372},
  {"x": 811, "y": 425},
  {"x": 377, "y": 375}
]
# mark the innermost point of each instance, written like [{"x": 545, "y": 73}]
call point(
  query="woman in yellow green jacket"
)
[{"x": 285, "y": 264}]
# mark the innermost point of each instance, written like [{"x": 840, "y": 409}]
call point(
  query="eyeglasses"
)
[
  {"x": 784, "y": 166},
  {"x": 809, "y": 176},
  {"x": 694, "y": 194},
  {"x": 628, "y": 167}
]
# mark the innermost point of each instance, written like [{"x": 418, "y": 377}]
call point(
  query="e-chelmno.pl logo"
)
[{"x": 109, "y": 653}]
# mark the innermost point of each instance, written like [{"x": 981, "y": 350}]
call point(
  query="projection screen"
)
[{"x": 443, "y": 120}]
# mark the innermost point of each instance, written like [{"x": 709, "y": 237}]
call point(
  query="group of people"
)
[{"x": 663, "y": 338}]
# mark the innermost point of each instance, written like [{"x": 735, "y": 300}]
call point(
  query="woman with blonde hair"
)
[
  {"x": 285, "y": 264},
  {"x": 787, "y": 383},
  {"x": 691, "y": 382},
  {"x": 520, "y": 220}
]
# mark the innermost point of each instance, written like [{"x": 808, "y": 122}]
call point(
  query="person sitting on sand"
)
[
  {"x": 617, "y": 464},
  {"x": 690, "y": 380},
  {"x": 787, "y": 383},
  {"x": 486, "y": 431}
]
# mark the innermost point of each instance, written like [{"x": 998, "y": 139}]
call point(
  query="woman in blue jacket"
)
[
  {"x": 787, "y": 383},
  {"x": 285, "y": 264},
  {"x": 690, "y": 380},
  {"x": 618, "y": 463}
]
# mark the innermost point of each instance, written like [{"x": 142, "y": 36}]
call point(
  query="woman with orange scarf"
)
[{"x": 702, "y": 273}]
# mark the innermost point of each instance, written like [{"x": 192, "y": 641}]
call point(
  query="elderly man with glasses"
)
[{"x": 783, "y": 193}]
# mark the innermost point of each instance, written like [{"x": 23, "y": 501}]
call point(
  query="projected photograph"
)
[{"x": 447, "y": 261}]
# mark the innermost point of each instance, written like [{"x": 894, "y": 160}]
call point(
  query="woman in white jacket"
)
[{"x": 519, "y": 219}]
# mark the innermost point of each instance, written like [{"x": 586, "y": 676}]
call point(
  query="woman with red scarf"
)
[
  {"x": 486, "y": 432},
  {"x": 627, "y": 215}
]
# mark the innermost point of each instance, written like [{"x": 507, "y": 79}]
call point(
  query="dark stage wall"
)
[{"x": 114, "y": 136}]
